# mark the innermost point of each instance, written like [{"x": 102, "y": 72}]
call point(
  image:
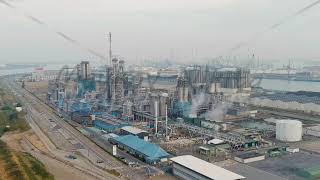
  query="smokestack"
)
[
  {"x": 110, "y": 50},
  {"x": 115, "y": 65},
  {"x": 121, "y": 65},
  {"x": 166, "y": 119},
  {"x": 156, "y": 115}
]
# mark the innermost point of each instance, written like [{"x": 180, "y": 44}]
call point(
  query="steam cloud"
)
[
  {"x": 197, "y": 101},
  {"x": 218, "y": 111}
]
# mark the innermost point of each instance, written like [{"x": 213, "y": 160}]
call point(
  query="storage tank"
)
[{"x": 289, "y": 130}]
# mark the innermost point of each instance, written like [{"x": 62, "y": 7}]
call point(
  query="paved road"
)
[{"x": 59, "y": 168}]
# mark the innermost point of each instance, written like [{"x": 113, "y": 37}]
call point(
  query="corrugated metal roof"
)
[
  {"x": 310, "y": 173},
  {"x": 133, "y": 130},
  {"x": 215, "y": 141},
  {"x": 205, "y": 168},
  {"x": 102, "y": 125},
  {"x": 148, "y": 149}
]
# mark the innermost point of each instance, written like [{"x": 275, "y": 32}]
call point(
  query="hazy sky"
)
[{"x": 157, "y": 29}]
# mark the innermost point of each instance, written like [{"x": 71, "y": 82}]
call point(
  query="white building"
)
[
  {"x": 126, "y": 130},
  {"x": 190, "y": 168}
]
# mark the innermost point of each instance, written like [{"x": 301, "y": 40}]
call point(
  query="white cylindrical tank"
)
[{"x": 289, "y": 130}]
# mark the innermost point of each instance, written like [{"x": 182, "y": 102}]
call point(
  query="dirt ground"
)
[
  {"x": 164, "y": 177},
  {"x": 3, "y": 175},
  {"x": 55, "y": 167},
  {"x": 13, "y": 139}
]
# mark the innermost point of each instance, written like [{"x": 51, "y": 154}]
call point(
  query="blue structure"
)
[
  {"x": 81, "y": 108},
  {"x": 107, "y": 127},
  {"x": 147, "y": 151},
  {"x": 85, "y": 86},
  {"x": 181, "y": 109},
  {"x": 80, "y": 112}
]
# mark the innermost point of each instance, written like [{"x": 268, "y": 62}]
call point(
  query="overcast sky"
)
[{"x": 157, "y": 29}]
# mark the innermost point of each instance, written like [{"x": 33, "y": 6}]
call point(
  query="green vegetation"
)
[
  {"x": 6, "y": 98},
  {"x": 10, "y": 120},
  {"x": 114, "y": 172},
  {"x": 21, "y": 166},
  {"x": 2, "y": 93},
  {"x": 7, "y": 162},
  {"x": 16, "y": 165}
]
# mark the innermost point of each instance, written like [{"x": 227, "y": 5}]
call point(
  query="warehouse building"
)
[
  {"x": 107, "y": 126},
  {"x": 144, "y": 150},
  {"x": 130, "y": 130},
  {"x": 189, "y": 168}
]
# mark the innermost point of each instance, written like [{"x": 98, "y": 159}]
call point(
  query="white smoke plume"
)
[
  {"x": 218, "y": 111},
  {"x": 197, "y": 101}
]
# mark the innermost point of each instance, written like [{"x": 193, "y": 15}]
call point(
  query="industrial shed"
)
[
  {"x": 189, "y": 167},
  {"x": 249, "y": 157},
  {"x": 106, "y": 126},
  {"x": 147, "y": 151},
  {"x": 130, "y": 130}
]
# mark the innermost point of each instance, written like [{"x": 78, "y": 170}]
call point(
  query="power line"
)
[
  {"x": 275, "y": 25},
  {"x": 236, "y": 47},
  {"x": 61, "y": 34}
]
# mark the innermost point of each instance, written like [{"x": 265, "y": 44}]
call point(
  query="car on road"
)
[
  {"x": 71, "y": 156},
  {"x": 133, "y": 164},
  {"x": 99, "y": 161},
  {"x": 120, "y": 157}
]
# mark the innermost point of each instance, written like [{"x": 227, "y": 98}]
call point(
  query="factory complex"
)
[{"x": 187, "y": 121}]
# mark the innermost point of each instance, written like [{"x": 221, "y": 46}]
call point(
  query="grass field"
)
[
  {"x": 16, "y": 165},
  {"x": 21, "y": 166},
  {"x": 10, "y": 120}
]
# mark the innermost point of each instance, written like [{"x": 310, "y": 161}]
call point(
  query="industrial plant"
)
[
  {"x": 168, "y": 120},
  {"x": 188, "y": 90},
  {"x": 181, "y": 116},
  {"x": 187, "y": 121}
]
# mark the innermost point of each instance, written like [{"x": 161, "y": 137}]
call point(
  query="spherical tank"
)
[{"x": 289, "y": 130}]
